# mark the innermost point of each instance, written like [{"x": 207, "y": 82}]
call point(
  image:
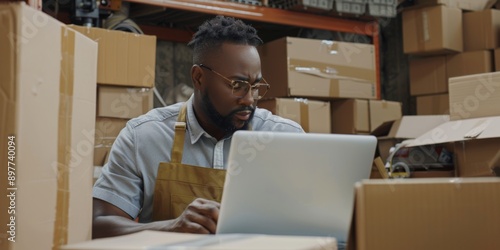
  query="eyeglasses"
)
[{"x": 240, "y": 87}]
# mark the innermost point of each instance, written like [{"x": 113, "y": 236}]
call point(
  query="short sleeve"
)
[{"x": 120, "y": 183}]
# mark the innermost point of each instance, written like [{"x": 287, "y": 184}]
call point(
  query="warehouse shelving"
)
[{"x": 278, "y": 16}]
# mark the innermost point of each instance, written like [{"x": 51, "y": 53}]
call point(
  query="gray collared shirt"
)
[{"x": 128, "y": 179}]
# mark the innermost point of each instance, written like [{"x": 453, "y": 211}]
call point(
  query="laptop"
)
[{"x": 293, "y": 183}]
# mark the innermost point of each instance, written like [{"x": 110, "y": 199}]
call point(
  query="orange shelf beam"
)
[
  {"x": 265, "y": 14},
  {"x": 277, "y": 16}
]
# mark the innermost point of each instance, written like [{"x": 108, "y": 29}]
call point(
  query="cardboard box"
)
[
  {"x": 479, "y": 157},
  {"x": 355, "y": 116},
  {"x": 125, "y": 59},
  {"x": 477, "y": 143},
  {"x": 474, "y": 96},
  {"x": 319, "y": 68},
  {"x": 497, "y": 59},
  {"x": 122, "y": 102},
  {"x": 106, "y": 131},
  {"x": 102, "y": 148},
  {"x": 48, "y": 102},
  {"x": 481, "y": 30},
  {"x": 106, "y": 127},
  {"x": 382, "y": 111},
  {"x": 427, "y": 214},
  {"x": 350, "y": 116},
  {"x": 407, "y": 127},
  {"x": 313, "y": 116},
  {"x": 468, "y": 63},
  {"x": 429, "y": 75},
  {"x": 432, "y": 30},
  {"x": 433, "y": 104},
  {"x": 472, "y": 5},
  {"x": 159, "y": 240}
]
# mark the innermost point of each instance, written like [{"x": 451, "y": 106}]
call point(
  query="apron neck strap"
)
[{"x": 180, "y": 133}]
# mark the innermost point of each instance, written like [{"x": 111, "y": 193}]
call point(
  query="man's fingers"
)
[{"x": 203, "y": 212}]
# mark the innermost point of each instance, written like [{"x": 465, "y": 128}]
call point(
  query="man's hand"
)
[{"x": 199, "y": 217}]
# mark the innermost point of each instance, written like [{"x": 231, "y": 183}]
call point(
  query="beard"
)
[{"x": 225, "y": 123}]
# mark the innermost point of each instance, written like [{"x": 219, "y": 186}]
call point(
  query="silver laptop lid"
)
[{"x": 293, "y": 183}]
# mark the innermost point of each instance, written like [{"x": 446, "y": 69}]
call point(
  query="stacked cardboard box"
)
[
  {"x": 429, "y": 77},
  {"x": 357, "y": 116},
  {"x": 313, "y": 116},
  {"x": 125, "y": 78},
  {"x": 326, "y": 72},
  {"x": 444, "y": 41},
  {"x": 473, "y": 127},
  {"x": 47, "y": 103}
]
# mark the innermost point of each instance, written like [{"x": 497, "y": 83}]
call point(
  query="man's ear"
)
[{"x": 196, "y": 76}]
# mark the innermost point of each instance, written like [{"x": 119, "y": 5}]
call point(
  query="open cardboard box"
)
[
  {"x": 408, "y": 127},
  {"x": 477, "y": 144}
]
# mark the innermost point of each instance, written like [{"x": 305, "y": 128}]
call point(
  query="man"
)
[{"x": 226, "y": 76}]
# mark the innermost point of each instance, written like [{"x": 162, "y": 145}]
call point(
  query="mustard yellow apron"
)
[{"x": 177, "y": 184}]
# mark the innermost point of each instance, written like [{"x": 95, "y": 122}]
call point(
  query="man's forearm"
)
[{"x": 108, "y": 226}]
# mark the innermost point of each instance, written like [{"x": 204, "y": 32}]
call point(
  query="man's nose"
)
[{"x": 248, "y": 99}]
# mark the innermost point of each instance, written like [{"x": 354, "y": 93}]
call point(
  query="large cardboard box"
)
[
  {"x": 474, "y": 96},
  {"x": 319, "y": 68},
  {"x": 355, "y": 116},
  {"x": 481, "y": 30},
  {"x": 125, "y": 59},
  {"x": 313, "y": 116},
  {"x": 477, "y": 144},
  {"x": 164, "y": 240},
  {"x": 47, "y": 103},
  {"x": 472, "y": 5},
  {"x": 432, "y": 30},
  {"x": 433, "y": 104},
  {"x": 429, "y": 75},
  {"x": 441, "y": 213},
  {"x": 123, "y": 102}
]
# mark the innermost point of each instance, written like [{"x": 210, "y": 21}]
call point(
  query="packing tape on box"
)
[
  {"x": 331, "y": 71},
  {"x": 422, "y": 30},
  {"x": 304, "y": 113},
  {"x": 64, "y": 138},
  {"x": 330, "y": 47}
]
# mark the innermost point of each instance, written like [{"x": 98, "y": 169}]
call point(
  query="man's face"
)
[
  {"x": 223, "y": 109},
  {"x": 228, "y": 123}
]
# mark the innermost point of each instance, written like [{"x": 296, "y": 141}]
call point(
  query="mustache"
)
[{"x": 246, "y": 108}]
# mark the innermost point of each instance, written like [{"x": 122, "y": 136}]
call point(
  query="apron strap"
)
[{"x": 180, "y": 132}]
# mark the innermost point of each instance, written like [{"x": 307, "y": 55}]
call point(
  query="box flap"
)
[
  {"x": 383, "y": 129},
  {"x": 410, "y": 126},
  {"x": 460, "y": 130}
]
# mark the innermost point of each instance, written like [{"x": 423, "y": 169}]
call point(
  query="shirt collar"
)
[{"x": 194, "y": 128}]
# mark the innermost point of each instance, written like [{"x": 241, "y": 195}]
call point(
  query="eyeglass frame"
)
[{"x": 233, "y": 83}]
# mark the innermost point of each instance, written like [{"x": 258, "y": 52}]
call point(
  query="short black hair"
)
[{"x": 216, "y": 31}]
